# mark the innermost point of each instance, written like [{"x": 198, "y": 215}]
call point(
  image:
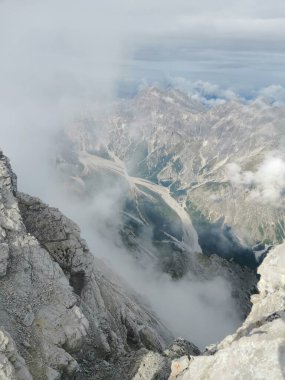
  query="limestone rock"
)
[
  {"x": 64, "y": 310},
  {"x": 257, "y": 350},
  {"x": 116, "y": 321},
  {"x": 153, "y": 366},
  {"x": 181, "y": 347},
  {"x": 178, "y": 366},
  {"x": 4, "y": 256},
  {"x": 12, "y": 365}
]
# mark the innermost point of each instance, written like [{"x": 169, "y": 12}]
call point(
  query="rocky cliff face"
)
[
  {"x": 63, "y": 313},
  {"x": 257, "y": 349}
]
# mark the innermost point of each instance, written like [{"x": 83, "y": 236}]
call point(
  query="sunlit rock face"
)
[
  {"x": 63, "y": 313},
  {"x": 257, "y": 349}
]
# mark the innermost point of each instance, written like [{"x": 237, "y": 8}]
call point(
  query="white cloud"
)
[
  {"x": 205, "y": 92},
  {"x": 58, "y": 58},
  {"x": 266, "y": 184},
  {"x": 200, "y": 310},
  {"x": 235, "y": 44},
  {"x": 273, "y": 95}
]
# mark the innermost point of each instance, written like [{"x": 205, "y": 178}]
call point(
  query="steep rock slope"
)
[
  {"x": 38, "y": 307},
  {"x": 257, "y": 350},
  {"x": 65, "y": 312},
  {"x": 12, "y": 364}
]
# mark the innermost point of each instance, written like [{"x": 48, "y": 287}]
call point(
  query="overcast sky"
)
[
  {"x": 69, "y": 48},
  {"x": 238, "y": 44},
  {"x": 60, "y": 56}
]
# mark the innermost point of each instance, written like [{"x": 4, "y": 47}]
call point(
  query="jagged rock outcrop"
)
[
  {"x": 257, "y": 350},
  {"x": 38, "y": 306},
  {"x": 149, "y": 365},
  {"x": 181, "y": 347},
  {"x": 117, "y": 321},
  {"x": 12, "y": 365},
  {"x": 65, "y": 312}
]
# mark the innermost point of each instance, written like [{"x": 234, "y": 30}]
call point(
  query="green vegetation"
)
[
  {"x": 177, "y": 165},
  {"x": 279, "y": 231},
  {"x": 176, "y": 191},
  {"x": 218, "y": 238},
  {"x": 136, "y": 162},
  {"x": 160, "y": 165},
  {"x": 216, "y": 186},
  {"x": 163, "y": 217},
  {"x": 146, "y": 217},
  {"x": 253, "y": 163}
]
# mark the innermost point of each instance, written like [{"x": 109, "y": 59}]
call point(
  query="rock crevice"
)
[
  {"x": 257, "y": 349},
  {"x": 66, "y": 313}
]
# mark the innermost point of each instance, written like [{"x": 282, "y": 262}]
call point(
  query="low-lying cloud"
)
[
  {"x": 205, "y": 92},
  {"x": 273, "y": 95},
  {"x": 59, "y": 58},
  {"x": 200, "y": 310},
  {"x": 266, "y": 184}
]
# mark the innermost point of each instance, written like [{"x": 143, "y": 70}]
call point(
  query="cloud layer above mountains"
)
[
  {"x": 266, "y": 184},
  {"x": 236, "y": 44}
]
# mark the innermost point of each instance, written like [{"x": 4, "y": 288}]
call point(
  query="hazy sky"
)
[
  {"x": 237, "y": 44},
  {"x": 60, "y": 56},
  {"x": 74, "y": 46}
]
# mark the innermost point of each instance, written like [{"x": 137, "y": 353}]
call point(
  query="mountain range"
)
[{"x": 169, "y": 191}]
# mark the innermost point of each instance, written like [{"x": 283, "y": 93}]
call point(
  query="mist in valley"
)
[{"x": 63, "y": 60}]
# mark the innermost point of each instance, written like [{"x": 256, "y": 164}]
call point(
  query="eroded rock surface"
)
[
  {"x": 257, "y": 349},
  {"x": 38, "y": 306},
  {"x": 64, "y": 311},
  {"x": 12, "y": 365},
  {"x": 64, "y": 315}
]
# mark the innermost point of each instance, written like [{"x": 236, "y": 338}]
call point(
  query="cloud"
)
[
  {"x": 205, "y": 92},
  {"x": 59, "y": 57},
  {"x": 235, "y": 44},
  {"x": 273, "y": 95},
  {"x": 200, "y": 310},
  {"x": 213, "y": 94},
  {"x": 266, "y": 184}
]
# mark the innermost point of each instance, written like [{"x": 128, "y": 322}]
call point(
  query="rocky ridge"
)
[
  {"x": 257, "y": 349},
  {"x": 63, "y": 314}
]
